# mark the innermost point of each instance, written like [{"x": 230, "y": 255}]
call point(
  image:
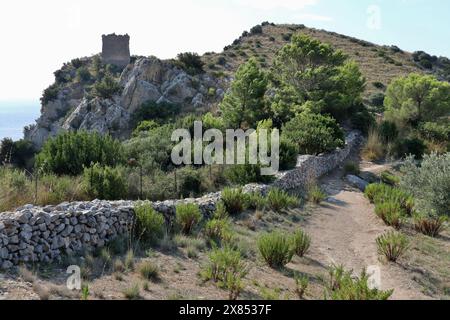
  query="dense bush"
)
[
  {"x": 388, "y": 131},
  {"x": 436, "y": 132},
  {"x": 107, "y": 87},
  {"x": 188, "y": 216},
  {"x": 344, "y": 286},
  {"x": 234, "y": 200},
  {"x": 83, "y": 74},
  {"x": 362, "y": 119},
  {"x": 392, "y": 245},
  {"x": 429, "y": 183},
  {"x": 289, "y": 152},
  {"x": 149, "y": 224},
  {"x": 159, "y": 112},
  {"x": 50, "y": 94},
  {"x": 105, "y": 183},
  {"x": 410, "y": 146},
  {"x": 314, "y": 133},
  {"x": 276, "y": 249},
  {"x": 279, "y": 200},
  {"x": 243, "y": 174},
  {"x": 190, "y": 62},
  {"x": 18, "y": 153},
  {"x": 69, "y": 152},
  {"x": 190, "y": 182},
  {"x": 153, "y": 148},
  {"x": 301, "y": 242},
  {"x": 256, "y": 30}
]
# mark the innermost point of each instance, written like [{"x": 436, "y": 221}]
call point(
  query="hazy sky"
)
[{"x": 38, "y": 36}]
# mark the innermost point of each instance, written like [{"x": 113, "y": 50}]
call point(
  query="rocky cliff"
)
[{"x": 73, "y": 107}]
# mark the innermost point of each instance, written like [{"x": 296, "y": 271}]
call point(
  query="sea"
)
[{"x": 15, "y": 115}]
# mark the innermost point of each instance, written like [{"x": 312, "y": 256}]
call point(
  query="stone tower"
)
[{"x": 116, "y": 50}]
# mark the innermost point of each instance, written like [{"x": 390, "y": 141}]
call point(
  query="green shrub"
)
[
  {"x": 69, "y": 152},
  {"x": 148, "y": 270},
  {"x": 316, "y": 195},
  {"x": 436, "y": 132},
  {"x": 105, "y": 183},
  {"x": 83, "y": 74},
  {"x": 107, "y": 87},
  {"x": 391, "y": 213},
  {"x": 255, "y": 201},
  {"x": 388, "y": 131},
  {"x": 158, "y": 112},
  {"x": 378, "y": 85},
  {"x": 392, "y": 245},
  {"x": 289, "y": 152},
  {"x": 276, "y": 249},
  {"x": 301, "y": 243},
  {"x": 218, "y": 231},
  {"x": 188, "y": 216},
  {"x": 430, "y": 225},
  {"x": 50, "y": 94},
  {"x": 190, "y": 62},
  {"x": 190, "y": 182},
  {"x": 149, "y": 225},
  {"x": 344, "y": 286},
  {"x": 279, "y": 200},
  {"x": 389, "y": 179},
  {"x": 246, "y": 174},
  {"x": 314, "y": 133},
  {"x": 234, "y": 200},
  {"x": 381, "y": 193},
  {"x": 144, "y": 126},
  {"x": 429, "y": 183},
  {"x": 226, "y": 268},
  {"x": 221, "y": 211},
  {"x": 410, "y": 146},
  {"x": 362, "y": 119}
]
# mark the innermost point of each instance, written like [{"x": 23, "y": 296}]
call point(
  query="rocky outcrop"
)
[{"x": 146, "y": 79}]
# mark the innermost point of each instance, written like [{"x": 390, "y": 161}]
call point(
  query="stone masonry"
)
[{"x": 116, "y": 50}]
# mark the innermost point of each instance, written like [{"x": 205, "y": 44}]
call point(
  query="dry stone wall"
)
[{"x": 45, "y": 234}]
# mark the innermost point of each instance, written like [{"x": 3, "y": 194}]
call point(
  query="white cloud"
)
[{"x": 276, "y": 4}]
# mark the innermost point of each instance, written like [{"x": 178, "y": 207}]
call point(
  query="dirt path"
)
[{"x": 344, "y": 231}]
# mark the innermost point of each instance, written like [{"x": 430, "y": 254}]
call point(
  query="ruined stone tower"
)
[{"x": 116, "y": 49}]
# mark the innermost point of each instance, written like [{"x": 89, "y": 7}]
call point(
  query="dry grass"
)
[{"x": 373, "y": 149}]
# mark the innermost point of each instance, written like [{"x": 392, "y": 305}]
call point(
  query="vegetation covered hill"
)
[{"x": 379, "y": 64}]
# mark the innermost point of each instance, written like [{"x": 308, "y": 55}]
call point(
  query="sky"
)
[{"x": 39, "y": 36}]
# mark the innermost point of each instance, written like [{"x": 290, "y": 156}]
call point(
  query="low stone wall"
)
[
  {"x": 310, "y": 168},
  {"x": 45, "y": 234}
]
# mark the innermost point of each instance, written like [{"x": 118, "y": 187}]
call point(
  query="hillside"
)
[
  {"x": 377, "y": 63},
  {"x": 78, "y": 98}
]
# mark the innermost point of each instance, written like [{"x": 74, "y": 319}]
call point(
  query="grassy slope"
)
[{"x": 378, "y": 63}]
